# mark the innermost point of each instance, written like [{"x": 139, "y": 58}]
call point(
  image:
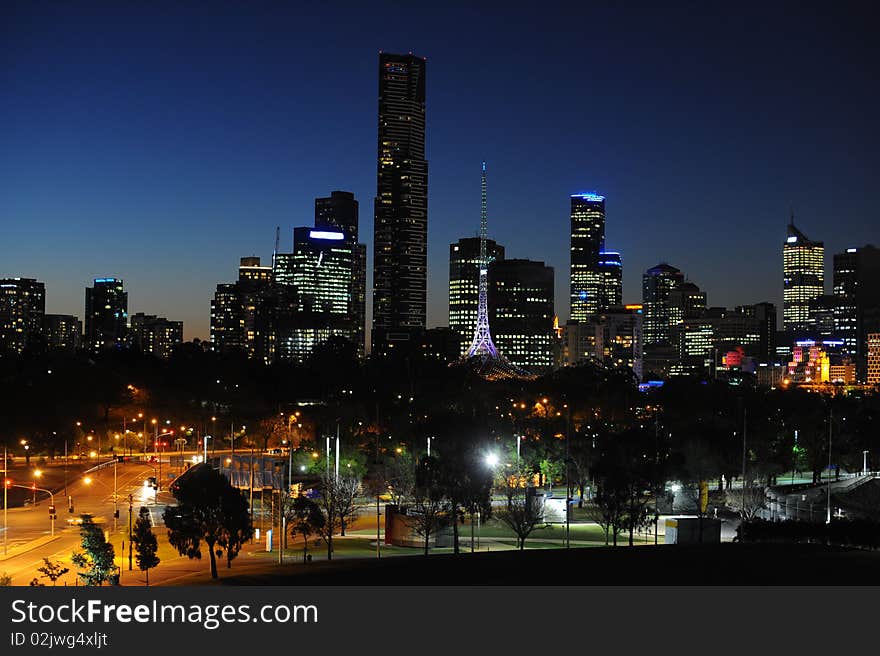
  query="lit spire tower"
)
[{"x": 482, "y": 344}]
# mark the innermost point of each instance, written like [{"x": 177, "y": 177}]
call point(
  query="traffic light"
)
[
  {"x": 52, "y": 513},
  {"x": 116, "y": 514}
]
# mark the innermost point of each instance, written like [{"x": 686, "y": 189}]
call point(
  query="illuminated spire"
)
[{"x": 482, "y": 344}]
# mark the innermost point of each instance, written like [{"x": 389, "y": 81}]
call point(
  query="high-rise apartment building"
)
[
  {"x": 803, "y": 274},
  {"x": 856, "y": 283},
  {"x": 520, "y": 300},
  {"x": 400, "y": 258},
  {"x": 657, "y": 284},
  {"x": 155, "y": 335},
  {"x": 464, "y": 284},
  {"x": 610, "y": 270},
  {"x": 339, "y": 211},
  {"x": 63, "y": 332},
  {"x": 106, "y": 314},
  {"x": 22, "y": 307},
  {"x": 687, "y": 301}
]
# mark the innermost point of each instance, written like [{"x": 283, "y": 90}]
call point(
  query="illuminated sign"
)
[
  {"x": 326, "y": 234},
  {"x": 791, "y": 240},
  {"x": 590, "y": 195}
]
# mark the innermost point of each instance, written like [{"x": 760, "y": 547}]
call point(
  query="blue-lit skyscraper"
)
[{"x": 587, "y": 242}]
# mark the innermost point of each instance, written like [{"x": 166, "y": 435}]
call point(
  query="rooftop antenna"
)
[{"x": 277, "y": 240}]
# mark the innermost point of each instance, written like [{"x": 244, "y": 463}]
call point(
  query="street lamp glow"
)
[
  {"x": 38, "y": 472},
  {"x": 87, "y": 480},
  {"x": 492, "y": 459}
]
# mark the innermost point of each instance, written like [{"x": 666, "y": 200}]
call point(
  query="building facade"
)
[
  {"x": 873, "y": 359},
  {"x": 464, "y": 285},
  {"x": 400, "y": 237},
  {"x": 803, "y": 279},
  {"x": 520, "y": 299},
  {"x": 22, "y": 308},
  {"x": 243, "y": 313},
  {"x": 155, "y": 335},
  {"x": 856, "y": 287},
  {"x": 318, "y": 278},
  {"x": 657, "y": 284},
  {"x": 63, "y": 332},
  {"x": 106, "y": 315}
]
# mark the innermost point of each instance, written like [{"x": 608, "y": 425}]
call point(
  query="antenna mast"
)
[{"x": 482, "y": 343}]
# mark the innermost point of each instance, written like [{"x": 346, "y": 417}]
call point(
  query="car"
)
[{"x": 151, "y": 482}]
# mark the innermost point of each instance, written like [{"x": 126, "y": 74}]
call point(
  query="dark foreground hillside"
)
[{"x": 725, "y": 564}]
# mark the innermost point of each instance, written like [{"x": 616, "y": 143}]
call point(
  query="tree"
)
[
  {"x": 338, "y": 503},
  {"x": 97, "y": 556},
  {"x": 52, "y": 570},
  {"x": 145, "y": 543},
  {"x": 747, "y": 502},
  {"x": 522, "y": 512},
  {"x": 304, "y": 517},
  {"x": 430, "y": 509},
  {"x": 204, "y": 497},
  {"x": 237, "y": 524},
  {"x": 5, "y": 580}
]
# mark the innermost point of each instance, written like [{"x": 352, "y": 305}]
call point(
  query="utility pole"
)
[
  {"x": 378, "y": 551},
  {"x": 567, "y": 477},
  {"x": 744, "y": 456},
  {"x": 828, "y": 486},
  {"x": 5, "y": 500},
  {"x": 130, "y": 503}
]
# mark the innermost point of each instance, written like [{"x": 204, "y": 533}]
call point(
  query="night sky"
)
[{"x": 160, "y": 143}]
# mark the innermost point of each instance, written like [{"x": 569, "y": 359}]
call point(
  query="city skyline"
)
[{"x": 157, "y": 215}]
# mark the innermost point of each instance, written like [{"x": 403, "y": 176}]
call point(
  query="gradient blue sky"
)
[{"x": 159, "y": 142}]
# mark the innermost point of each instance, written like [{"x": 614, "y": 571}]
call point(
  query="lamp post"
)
[{"x": 828, "y": 486}]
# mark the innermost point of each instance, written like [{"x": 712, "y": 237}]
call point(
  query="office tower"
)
[
  {"x": 685, "y": 302},
  {"x": 22, "y": 307},
  {"x": 339, "y": 211},
  {"x": 857, "y": 313},
  {"x": 823, "y": 310},
  {"x": 319, "y": 278},
  {"x": 227, "y": 320},
  {"x": 243, "y": 313},
  {"x": 619, "y": 338},
  {"x": 657, "y": 283},
  {"x": 520, "y": 300},
  {"x": 464, "y": 284},
  {"x": 155, "y": 335},
  {"x": 695, "y": 342},
  {"x": 803, "y": 279},
  {"x": 872, "y": 376},
  {"x": 63, "y": 332},
  {"x": 400, "y": 243},
  {"x": 106, "y": 314},
  {"x": 610, "y": 270},
  {"x": 587, "y": 242},
  {"x": 765, "y": 315}
]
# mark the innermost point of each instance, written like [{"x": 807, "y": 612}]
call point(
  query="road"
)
[{"x": 28, "y": 536}]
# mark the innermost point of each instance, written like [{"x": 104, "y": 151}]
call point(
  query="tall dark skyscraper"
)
[
  {"x": 803, "y": 272},
  {"x": 857, "y": 311},
  {"x": 400, "y": 258},
  {"x": 464, "y": 284},
  {"x": 243, "y": 313},
  {"x": 22, "y": 307},
  {"x": 155, "y": 335},
  {"x": 587, "y": 242},
  {"x": 106, "y": 313},
  {"x": 657, "y": 284},
  {"x": 340, "y": 211}
]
